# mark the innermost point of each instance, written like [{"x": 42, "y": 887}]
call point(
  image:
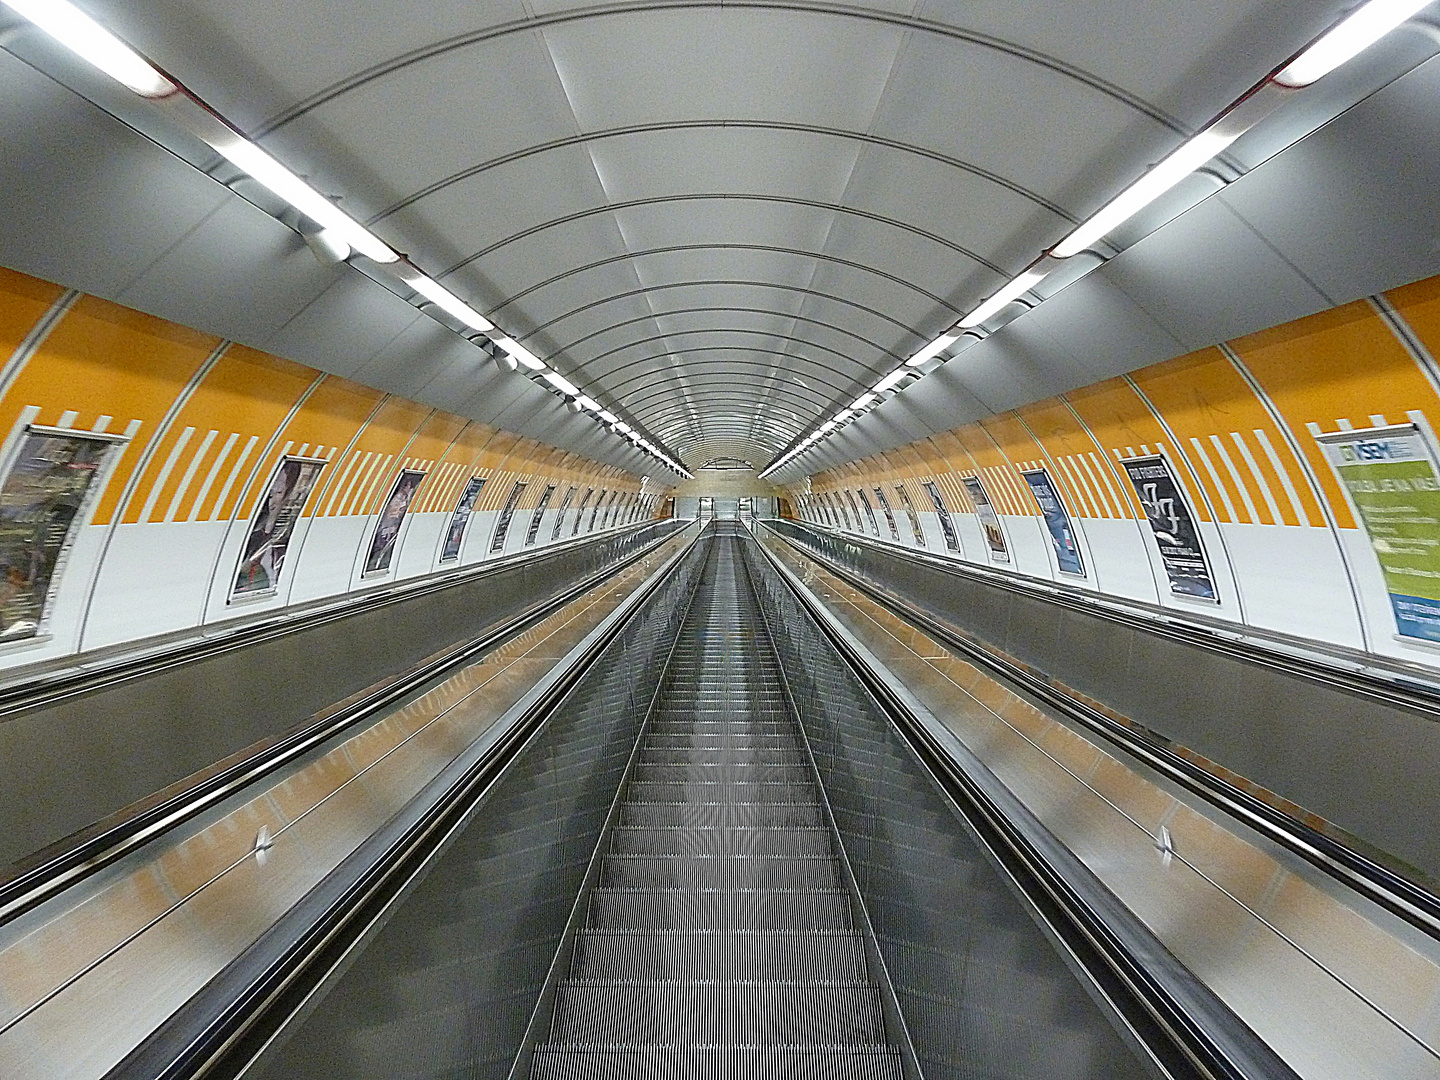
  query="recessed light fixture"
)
[
  {"x": 449, "y": 303},
  {"x": 934, "y": 349},
  {"x": 564, "y": 385},
  {"x": 1003, "y": 296},
  {"x": 520, "y": 353},
  {"x": 1350, "y": 37},
  {"x": 90, "y": 41}
]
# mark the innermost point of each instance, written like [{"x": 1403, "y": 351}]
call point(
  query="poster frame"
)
[
  {"x": 1025, "y": 475},
  {"x": 1002, "y": 554},
  {"x": 118, "y": 442},
  {"x": 1174, "y": 476},
  {"x": 383, "y": 571},
  {"x": 479, "y": 484},
  {"x": 234, "y": 597},
  {"x": 508, "y": 510},
  {"x": 949, "y": 534},
  {"x": 1416, "y": 425},
  {"x": 888, "y": 512}
]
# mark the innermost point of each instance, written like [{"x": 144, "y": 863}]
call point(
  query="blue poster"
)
[{"x": 1057, "y": 522}]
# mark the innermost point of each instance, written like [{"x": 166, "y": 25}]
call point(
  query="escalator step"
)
[
  {"x": 717, "y": 1013},
  {"x": 713, "y": 909},
  {"x": 593, "y": 1061},
  {"x": 834, "y": 957}
]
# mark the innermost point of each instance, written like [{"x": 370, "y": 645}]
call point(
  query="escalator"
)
[{"x": 716, "y": 857}]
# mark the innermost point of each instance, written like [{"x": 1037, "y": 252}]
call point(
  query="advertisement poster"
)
[
  {"x": 502, "y": 525},
  {"x": 460, "y": 519},
  {"x": 989, "y": 520},
  {"x": 1057, "y": 522},
  {"x": 580, "y": 511},
  {"x": 392, "y": 516},
  {"x": 854, "y": 512},
  {"x": 889, "y": 514},
  {"x": 273, "y": 526},
  {"x": 869, "y": 513},
  {"x": 539, "y": 514},
  {"x": 1173, "y": 525},
  {"x": 952, "y": 538},
  {"x": 911, "y": 514},
  {"x": 1393, "y": 484},
  {"x": 560, "y": 515},
  {"x": 44, "y": 493}
]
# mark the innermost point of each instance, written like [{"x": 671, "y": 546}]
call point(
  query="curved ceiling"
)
[{"x": 722, "y": 220}]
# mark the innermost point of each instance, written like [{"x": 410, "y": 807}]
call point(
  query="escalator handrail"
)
[
  {"x": 1125, "y": 961},
  {"x": 1352, "y": 868},
  {"x": 64, "y": 865}
]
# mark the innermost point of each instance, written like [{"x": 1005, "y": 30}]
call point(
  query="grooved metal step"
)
[{"x": 720, "y": 940}]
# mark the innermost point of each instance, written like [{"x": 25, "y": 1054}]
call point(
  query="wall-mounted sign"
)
[
  {"x": 392, "y": 517},
  {"x": 507, "y": 512},
  {"x": 1391, "y": 479},
  {"x": 48, "y": 487},
  {"x": 947, "y": 527},
  {"x": 989, "y": 520},
  {"x": 889, "y": 514},
  {"x": 1173, "y": 526},
  {"x": 460, "y": 519},
  {"x": 273, "y": 526},
  {"x": 1057, "y": 522}
]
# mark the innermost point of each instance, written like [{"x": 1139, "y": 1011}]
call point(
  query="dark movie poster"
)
[
  {"x": 392, "y": 516},
  {"x": 40, "y": 504},
  {"x": 455, "y": 534},
  {"x": 1173, "y": 525},
  {"x": 1057, "y": 522},
  {"x": 273, "y": 526}
]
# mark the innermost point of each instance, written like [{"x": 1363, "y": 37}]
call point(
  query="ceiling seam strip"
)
[
  {"x": 773, "y": 248},
  {"x": 734, "y": 310},
  {"x": 891, "y": 18},
  {"x": 731, "y": 330},
  {"x": 734, "y": 282},
  {"x": 716, "y": 196},
  {"x": 869, "y": 138}
]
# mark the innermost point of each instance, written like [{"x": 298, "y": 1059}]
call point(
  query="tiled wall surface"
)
[
  {"x": 1238, "y": 425},
  {"x": 205, "y": 423}
]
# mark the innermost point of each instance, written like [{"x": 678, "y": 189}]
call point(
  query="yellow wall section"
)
[
  {"x": 1243, "y": 460},
  {"x": 106, "y": 367},
  {"x": 103, "y": 360},
  {"x": 216, "y": 439}
]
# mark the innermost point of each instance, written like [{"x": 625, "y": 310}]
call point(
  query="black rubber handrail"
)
[
  {"x": 80, "y": 676},
  {"x": 1189, "y": 1030},
  {"x": 1407, "y": 899},
  {"x": 1369, "y": 677},
  {"x": 218, "y": 1033},
  {"x": 62, "y": 866}
]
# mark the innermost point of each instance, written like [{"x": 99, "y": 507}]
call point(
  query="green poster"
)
[{"x": 1390, "y": 477}]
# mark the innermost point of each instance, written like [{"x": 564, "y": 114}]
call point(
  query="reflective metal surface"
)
[
  {"x": 86, "y": 976},
  {"x": 1335, "y": 985}
]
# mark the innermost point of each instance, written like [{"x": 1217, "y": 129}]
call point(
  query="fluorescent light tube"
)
[
  {"x": 564, "y": 385},
  {"x": 609, "y": 417},
  {"x": 622, "y": 428},
  {"x": 863, "y": 401},
  {"x": 589, "y": 404},
  {"x": 844, "y": 414},
  {"x": 265, "y": 170},
  {"x": 519, "y": 352},
  {"x": 1004, "y": 296},
  {"x": 448, "y": 302},
  {"x": 827, "y": 425},
  {"x": 890, "y": 380},
  {"x": 1184, "y": 160},
  {"x": 1365, "y": 26},
  {"x": 934, "y": 349},
  {"x": 90, "y": 41}
]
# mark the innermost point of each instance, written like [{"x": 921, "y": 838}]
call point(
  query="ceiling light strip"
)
[{"x": 342, "y": 234}]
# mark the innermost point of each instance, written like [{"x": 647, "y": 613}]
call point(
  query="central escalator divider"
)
[{"x": 720, "y": 937}]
